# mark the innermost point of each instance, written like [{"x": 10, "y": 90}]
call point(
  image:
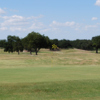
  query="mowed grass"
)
[{"x": 61, "y": 75}]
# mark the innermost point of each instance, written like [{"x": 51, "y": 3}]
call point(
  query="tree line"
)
[{"x": 34, "y": 41}]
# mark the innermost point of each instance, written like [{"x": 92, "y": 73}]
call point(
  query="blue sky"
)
[{"x": 61, "y": 19}]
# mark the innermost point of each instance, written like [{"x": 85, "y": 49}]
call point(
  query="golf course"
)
[{"x": 68, "y": 74}]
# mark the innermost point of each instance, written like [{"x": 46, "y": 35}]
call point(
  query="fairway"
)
[
  {"x": 69, "y": 74},
  {"x": 49, "y": 74}
]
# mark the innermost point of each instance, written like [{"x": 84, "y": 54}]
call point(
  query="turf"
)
[
  {"x": 49, "y": 73},
  {"x": 62, "y": 75},
  {"x": 63, "y": 90}
]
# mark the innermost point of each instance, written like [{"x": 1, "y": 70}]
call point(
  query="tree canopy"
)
[
  {"x": 34, "y": 41},
  {"x": 12, "y": 44},
  {"x": 96, "y": 42}
]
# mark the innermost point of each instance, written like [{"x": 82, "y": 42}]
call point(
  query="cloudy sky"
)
[{"x": 61, "y": 19}]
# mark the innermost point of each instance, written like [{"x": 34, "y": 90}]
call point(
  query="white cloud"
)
[
  {"x": 13, "y": 17},
  {"x": 94, "y": 18},
  {"x": 15, "y": 29},
  {"x": 45, "y": 30},
  {"x": 37, "y": 25},
  {"x": 35, "y": 17},
  {"x": 57, "y": 26},
  {"x": 97, "y": 3},
  {"x": 3, "y": 28},
  {"x": 13, "y": 20},
  {"x": 54, "y": 23},
  {"x": 20, "y": 23},
  {"x": 2, "y": 11},
  {"x": 90, "y": 26}
]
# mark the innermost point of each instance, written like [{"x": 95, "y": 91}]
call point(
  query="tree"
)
[
  {"x": 9, "y": 44},
  {"x": 55, "y": 41},
  {"x": 64, "y": 44},
  {"x": 46, "y": 43},
  {"x": 82, "y": 44},
  {"x": 35, "y": 41},
  {"x": 12, "y": 44},
  {"x": 96, "y": 42},
  {"x": 17, "y": 45},
  {"x": 2, "y": 43},
  {"x": 25, "y": 43}
]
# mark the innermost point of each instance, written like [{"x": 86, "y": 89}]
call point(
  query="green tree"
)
[
  {"x": 96, "y": 42},
  {"x": 64, "y": 44},
  {"x": 8, "y": 47},
  {"x": 82, "y": 44},
  {"x": 12, "y": 44},
  {"x": 2, "y": 43},
  {"x": 55, "y": 41},
  {"x": 25, "y": 43},
  {"x": 17, "y": 45},
  {"x": 35, "y": 41},
  {"x": 46, "y": 42}
]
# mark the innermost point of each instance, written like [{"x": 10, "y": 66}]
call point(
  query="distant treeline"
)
[
  {"x": 79, "y": 44},
  {"x": 35, "y": 41}
]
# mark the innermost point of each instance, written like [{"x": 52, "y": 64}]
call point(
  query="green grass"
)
[
  {"x": 63, "y": 90},
  {"x": 48, "y": 74},
  {"x": 62, "y": 75}
]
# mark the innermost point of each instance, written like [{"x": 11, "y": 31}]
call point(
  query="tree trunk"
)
[
  {"x": 96, "y": 50},
  {"x": 30, "y": 52},
  {"x": 18, "y": 52},
  {"x": 36, "y": 51}
]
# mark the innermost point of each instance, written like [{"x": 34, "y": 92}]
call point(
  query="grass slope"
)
[{"x": 63, "y": 75}]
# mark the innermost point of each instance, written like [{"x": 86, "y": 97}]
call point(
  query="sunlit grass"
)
[
  {"x": 48, "y": 73},
  {"x": 63, "y": 90},
  {"x": 68, "y": 74},
  {"x": 47, "y": 57}
]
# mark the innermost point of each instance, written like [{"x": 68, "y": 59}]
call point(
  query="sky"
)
[{"x": 57, "y": 19}]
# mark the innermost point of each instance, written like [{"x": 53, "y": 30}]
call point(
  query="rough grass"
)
[
  {"x": 46, "y": 57},
  {"x": 61, "y": 75}
]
